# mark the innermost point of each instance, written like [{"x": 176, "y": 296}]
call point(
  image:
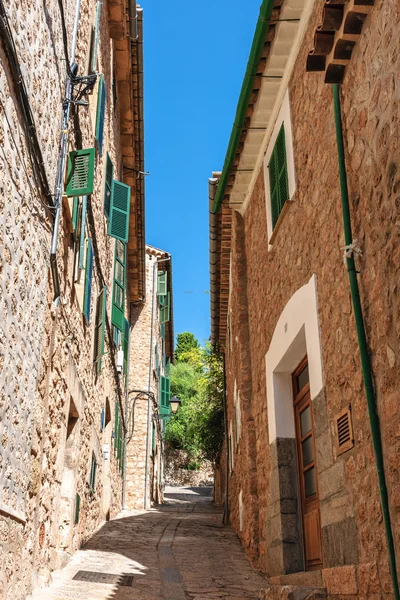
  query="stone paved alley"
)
[{"x": 179, "y": 551}]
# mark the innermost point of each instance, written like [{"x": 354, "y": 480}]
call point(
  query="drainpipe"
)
[
  {"x": 245, "y": 93},
  {"x": 212, "y": 188},
  {"x": 151, "y": 396},
  {"x": 363, "y": 346},
  {"x": 226, "y": 510},
  {"x": 59, "y": 184},
  {"x": 133, "y": 31}
]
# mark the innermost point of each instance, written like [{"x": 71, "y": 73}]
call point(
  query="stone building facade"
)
[
  {"x": 151, "y": 353},
  {"x": 302, "y": 477},
  {"x": 62, "y": 372}
]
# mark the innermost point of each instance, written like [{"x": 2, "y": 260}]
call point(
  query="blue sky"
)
[{"x": 194, "y": 65}]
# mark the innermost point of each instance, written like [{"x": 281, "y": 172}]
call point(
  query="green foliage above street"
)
[
  {"x": 197, "y": 380},
  {"x": 185, "y": 342}
]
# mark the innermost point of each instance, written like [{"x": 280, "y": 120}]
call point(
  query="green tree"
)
[
  {"x": 197, "y": 379},
  {"x": 184, "y": 343}
]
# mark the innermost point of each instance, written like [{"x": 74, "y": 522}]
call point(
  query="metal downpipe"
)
[
  {"x": 226, "y": 509},
  {"x": 363, "y": 346}
]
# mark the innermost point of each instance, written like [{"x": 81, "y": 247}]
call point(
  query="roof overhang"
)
[
  {"x": 166, "y": 265},
  {"x": 126, "y": 29},
  {"x": 220, "y": 259},
  {"x": 283, "y": 39}
]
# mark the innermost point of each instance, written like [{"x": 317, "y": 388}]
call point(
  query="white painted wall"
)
[{"x": 296, "y": 335}]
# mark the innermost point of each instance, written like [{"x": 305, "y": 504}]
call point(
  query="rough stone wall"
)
[
  {"x": 139, "y": 379},
  {"x": 309, "y": 240},
  {"x": 177, "y": 475},
  {"x": 47, "y": 371}
]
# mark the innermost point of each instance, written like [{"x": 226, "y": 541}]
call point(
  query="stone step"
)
[
  {"x": 300, "y": 579},
  {"x": 291, "y": 592}
]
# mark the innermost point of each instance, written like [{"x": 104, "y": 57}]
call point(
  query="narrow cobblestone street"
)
[{"x": 177, "y": 551}]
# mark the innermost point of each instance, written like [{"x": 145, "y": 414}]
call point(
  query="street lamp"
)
[{"x": 174, "y": 404}]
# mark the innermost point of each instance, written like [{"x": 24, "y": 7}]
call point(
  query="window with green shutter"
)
[
  {"x": 100, "y": 328},
  {"x": 75, "y": 217},
  {"x": 108, "y": 185},
  {"x": 93, "y": 469},
  {"x": 118, "y": 296},
  {"x": 77, "y": 508},
  {"x": 162, "y": 283},
  {"x": 118, "y": 225},
  {"x": 157, "y": 361},
  {"x": 153, "y": 439},
  {"x": 162, "y": 330},
  {"x": 164, "y": 311},
  {"x": 88, "y": 280},
  {"x": 278, "y": 177},
  {"x": 80, "y": 173},
  {"x": 116, "y": 424},
  {"x": 164, "y": 395},
  {"x": 101, "y": 114},
  {"x": 82, "y": 234}
]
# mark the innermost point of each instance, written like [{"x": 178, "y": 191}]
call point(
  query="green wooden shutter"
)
[
  {"x": 101, "y": 114},
  {"x": 88, "y": 280},
  {"x": 82, "y": 233},
  {"x": 108, "y": 185},
  {"x": 77, "y": 508},
  {"x": 162, "y": 283},
  {"x": 116, "y": 424},
  {"x": 162, "y": 330},
  {"x": 157, "y": 362},
  {"x": 118, "y": 226},
  {"x": 164, "y": 395},
  {"x": 93, "y": 469},
  {"x": 167, "y": 392},
  {"x": 118, "y": 297},
  {"x": 164, "y": 311},
  {"x": 278, "y": 177},
  {"x": 119, "y": 445},
  {"x": 75, "y": 217},
  {"x": 80, "y": 174},
  {"x": 93, "y": 65},
  {"x": 100, "y": 328},
  {"x": 283, "y": 181},
  {"x": 273, "y": 188}
]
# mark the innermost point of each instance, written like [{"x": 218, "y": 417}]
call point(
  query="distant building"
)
[
  {"x": 65, "y": 310},
  {"x": 302, "y": 476},
  {"x": 151, "y": 354}
]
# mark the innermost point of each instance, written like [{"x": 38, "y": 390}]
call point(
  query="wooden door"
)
[{"x": 307, "y": 468}]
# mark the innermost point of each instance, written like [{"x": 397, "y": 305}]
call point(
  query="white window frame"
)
[{"x": 285, "y": 119}]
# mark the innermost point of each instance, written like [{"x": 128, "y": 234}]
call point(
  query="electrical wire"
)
[
  {"x": 33, "y": 146},
  {"x": 65, "y": 40}
]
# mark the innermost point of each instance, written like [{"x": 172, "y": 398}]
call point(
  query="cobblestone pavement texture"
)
[{"x": 178, "y": 551}]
